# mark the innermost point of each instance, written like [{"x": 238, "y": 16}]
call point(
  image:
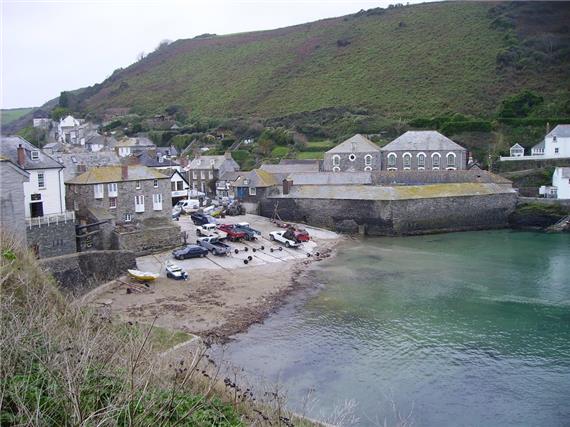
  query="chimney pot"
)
[
  {"x": 287, "y": 184},
  {"x": 21, "y": 156},
  {"x": 124, "y": 172}
]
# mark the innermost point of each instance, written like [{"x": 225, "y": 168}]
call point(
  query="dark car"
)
[
  {"x": 199, "y": 218},
  {"x": 190, "y": 251}
]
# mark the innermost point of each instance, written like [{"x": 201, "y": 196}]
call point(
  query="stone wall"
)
[
  {"x": 415, "y": 177},
  {"x": 398, "y": 217},
  {"x": 148, "y": 240},
  {"x": 358, "y": 164},
  {"x": 52, "y": 240},
  {"x": 81, "y": 272},
  {"x": 460, "y": 161}
]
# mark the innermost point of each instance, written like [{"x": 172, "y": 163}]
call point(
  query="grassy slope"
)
[
  {"x": 413, "y": 61},
  {"x": 11, "y": 114}
]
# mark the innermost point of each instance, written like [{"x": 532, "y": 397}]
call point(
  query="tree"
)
[
  {"x": 520, "y": 105},
  {"x": 64, "y": 100}
]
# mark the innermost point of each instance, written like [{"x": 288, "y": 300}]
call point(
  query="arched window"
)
[
  {"x": 368, "y": 160},
  {"x": 450, "y": 160},
  {"x": 392, "y": 161},
  {"x": 336, "y": 160},
  {"x": 435, "y": 158},
  {"x": 421, "y": 160},
  {"x": 407, "y": 160},
  {"x": 367, "y": 169},
  {"x": 336, "y": 169},
  {"x": 352, "y": 157}
]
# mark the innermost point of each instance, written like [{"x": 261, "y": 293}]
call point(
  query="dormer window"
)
[
  {"x": 35, "y": 154},
  {"x": 554, "y": 138},
  {"x": 246, "y": 182}
]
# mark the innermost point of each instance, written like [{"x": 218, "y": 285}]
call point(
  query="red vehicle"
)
[
  {"x": 232, "y": 233},
  {"x": 301, "y": 235}
]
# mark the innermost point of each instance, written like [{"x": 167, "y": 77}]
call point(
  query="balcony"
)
[{"x": 51, "y": 219}]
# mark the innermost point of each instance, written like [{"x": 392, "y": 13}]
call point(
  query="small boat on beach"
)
[{"x": 143, "y": 276}]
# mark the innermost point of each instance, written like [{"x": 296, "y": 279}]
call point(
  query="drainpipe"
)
[{"x": 59, "y": 181}]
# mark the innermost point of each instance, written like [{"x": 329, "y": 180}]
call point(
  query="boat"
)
[{"x": 143, "y": 276}]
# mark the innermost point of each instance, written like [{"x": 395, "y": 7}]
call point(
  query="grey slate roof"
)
[
  {"x": 167, "y": 151},
  {"x": 420, "y": 140},
  {"x": 147, "y": 159},
  {"x": 539, "y": 145},
  {"x": 331, "y": 178},
  {"x": 9, "y": 150},
  {"x": 288, "y": 168},
  {"x": 565, "y": 172},
  {"x": 71, "y": 161},
  {"x": 107, "y": 141},
  {"x": 560, "y": 131},
  {"x": 256, "y": 178},
  {"x": 517, "y": 145},
  {"x": 355, "y": 144},
  {"x": 213, "y": 162},
  {"x": 231, "y": 176}
]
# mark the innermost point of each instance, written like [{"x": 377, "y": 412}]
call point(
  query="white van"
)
[{"x": 188, "y": 206}]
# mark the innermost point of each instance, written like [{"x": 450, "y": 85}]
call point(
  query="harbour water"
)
[{"x": 461, "y": 329}]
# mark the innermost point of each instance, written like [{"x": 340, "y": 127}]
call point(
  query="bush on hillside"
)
[{"x": 520, "y": 105}]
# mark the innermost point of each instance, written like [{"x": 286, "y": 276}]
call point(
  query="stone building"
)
[
  {"x": 203, "y": 169},
  {"x": 356, "y": 154},
  {"x": 12, "y": 212},
  {"x": 125, "y": 193},
  {"x": 423, "y": 150},
  {"x": 254, "y": 186}
]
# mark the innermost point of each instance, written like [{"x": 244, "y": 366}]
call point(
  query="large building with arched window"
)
[
  {"x": 423, "y": 150},
  {"x": 356, "y": 154}
]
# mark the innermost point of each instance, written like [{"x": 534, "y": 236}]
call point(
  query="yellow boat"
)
[{"x": 143, "y": 276}]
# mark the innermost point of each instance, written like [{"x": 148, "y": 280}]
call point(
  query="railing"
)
[{"x": 51, "y": 219}]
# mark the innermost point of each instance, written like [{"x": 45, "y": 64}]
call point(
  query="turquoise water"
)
[{"x": 462, "y": 329}]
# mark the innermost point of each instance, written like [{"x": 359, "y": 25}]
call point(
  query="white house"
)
[
  {"x": 556, "y": 145},
  {"x": 179, "y": 187},
  {"x": 561, "y": 180},
  {"x": 44, "y": 193},
  {"x": 517, "y": 150},
  {"x": 68, "y": 130}
]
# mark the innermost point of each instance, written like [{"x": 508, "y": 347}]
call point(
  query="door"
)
[{"x": 36, "y": 209}]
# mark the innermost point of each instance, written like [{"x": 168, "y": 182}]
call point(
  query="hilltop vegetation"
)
[{"x": 9, "y": 115}]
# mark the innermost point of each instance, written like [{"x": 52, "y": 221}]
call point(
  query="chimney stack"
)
[
  {"x": 21, "y": 156},
  {"x": 228, "y": 155},
  {"x": 81, "y": 168},
  {"x": 287, "y": 184},
  {"x": 124, "y": 172}
]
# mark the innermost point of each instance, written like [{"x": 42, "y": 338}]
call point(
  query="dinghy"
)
[{"x": 143, "y": 276}]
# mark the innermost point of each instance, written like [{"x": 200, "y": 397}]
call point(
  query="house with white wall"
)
[
  {"x": 44, "y": 193},
  {"x": 555, "y": 145},
  {"x": 561, "y": 180},
  {"x": 517, "y": 150}
]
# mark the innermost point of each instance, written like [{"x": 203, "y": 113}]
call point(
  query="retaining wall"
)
[
  {"x": 52, "y": 240},
  {"x": 398, "y": 217},
  {"x": 148, "y": 240},
  {"x": 81, "y": 272}
]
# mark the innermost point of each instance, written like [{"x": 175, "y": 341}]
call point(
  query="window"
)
[
  {"x": 98, "y": 190},
  {"x": 367, "y": 168},
  {"x": 180, "y": 185},
  {"x": 155, "y": 183},
  {"x": 112, "y": 189},
  {"x": 336, "y": 169},
  {"x": 392, "y": 160},
  {"x": 128, "y": 217},
  {"x": 202, "y": 175},
  {"x": 35, "y": 154},
  {"x": 212, "y": 161},
  {"x": 139, "y": 204},
  {"x": 435, "y": 160},
  {"x": 556, "y": 150},
  {"x": 211, "y": 175},
  {"x": 554, "y": 138},
  {"x": 194, "y": 175},
  {"x": 407, "y": 160},
  {"x": 352, "y": 157},
  {"x": 138, "y": 185},
  {"x": 336, "y": 160},
  {"x": 41, "y": 180},
  {"x": 172, "y": 186},
  {"x": 112, "y": 202},
  {"x": 450, "y": 160},
  {"x": 368, "y": 160},
  {"x": 36, "y": 197},
  {"x": 157, "y": 202},
  {"x": 252, "y": 191},
  {"x": 421, "y": 160}
]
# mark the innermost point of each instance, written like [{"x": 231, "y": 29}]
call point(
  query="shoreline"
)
[{"x": 216, "y": 304}]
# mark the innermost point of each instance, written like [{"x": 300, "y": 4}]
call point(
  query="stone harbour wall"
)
[
  {"x": 81, "y": 272},
  {"x": 52, "y": 240},
  {"x": 398, "y": 217},
  {"x": 149, "y": 240}
]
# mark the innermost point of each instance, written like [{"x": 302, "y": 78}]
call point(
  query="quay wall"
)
[
  {"x": 81, "y": 272},
  {"x": 398, "y": 217}
]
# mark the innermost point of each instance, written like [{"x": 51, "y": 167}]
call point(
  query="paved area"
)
[{"x": 258, "y": 252}]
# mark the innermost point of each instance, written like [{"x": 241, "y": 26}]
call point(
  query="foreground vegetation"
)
[{"x": 62, "y": 365}]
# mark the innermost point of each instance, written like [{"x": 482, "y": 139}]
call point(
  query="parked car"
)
[
  {"x": 175, "y": 272},
  {"x": 214, "y": 245},
  {"x": 190, "y": 251},
  {"x": 188, "y": 205},
  {"x": 233, "y": 234},
  {"x": 210, "y": 230},
  {"x": 175, "y": 215},
  {"x": 286, "y": 237},
  {"x": 199, "y": 218},
  {"x": 251, "y": 233},
  {"x": 301, "y": 235}
]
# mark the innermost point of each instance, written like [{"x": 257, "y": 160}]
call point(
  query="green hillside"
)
[
  {"x": 9, "y": 115},
  {"x": 401, "y": 62}
]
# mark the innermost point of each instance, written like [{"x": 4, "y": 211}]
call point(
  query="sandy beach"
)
[{"x": 222, "y": 296}]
